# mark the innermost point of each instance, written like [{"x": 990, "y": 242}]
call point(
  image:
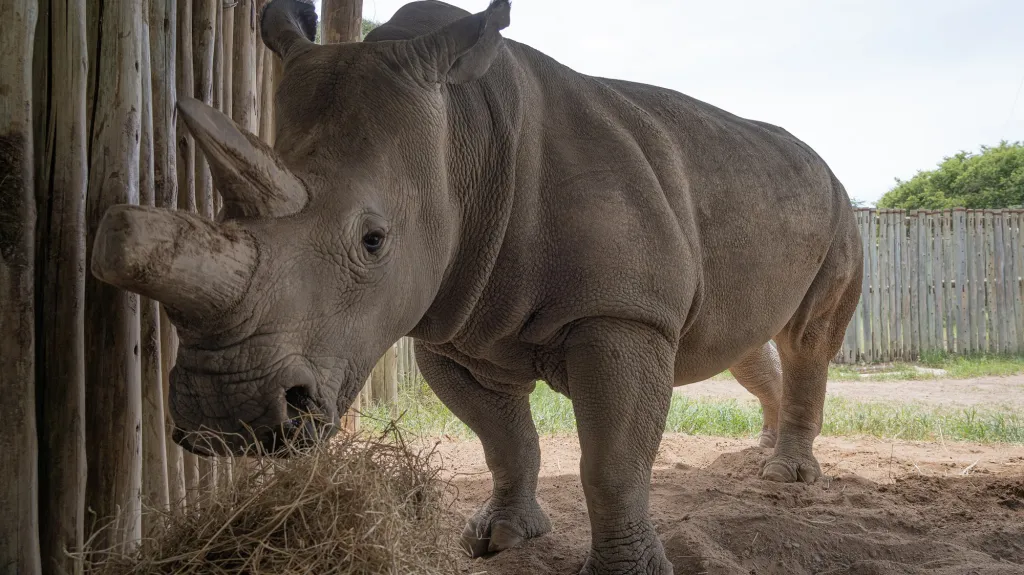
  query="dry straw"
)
[{"x": 354, "y": 505}]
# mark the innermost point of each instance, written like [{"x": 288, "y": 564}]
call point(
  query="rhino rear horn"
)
[
  {"x": 463, "y": 50},
  {"x": 249, "y": 175},
  {"x": 197, "y": 268},
  {"x": 288, "y": 25}
]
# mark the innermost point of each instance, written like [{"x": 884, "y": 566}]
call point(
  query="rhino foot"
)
[
  {"x": 634, "y": 554},
  {"x": 789, "y": 469},
  {"x": 497, "y": 527}
]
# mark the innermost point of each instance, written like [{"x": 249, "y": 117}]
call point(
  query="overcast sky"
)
[{"x": 879, "y": 88}]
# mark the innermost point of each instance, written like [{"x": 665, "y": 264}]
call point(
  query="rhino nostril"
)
[{"x": 299, "y": 401}]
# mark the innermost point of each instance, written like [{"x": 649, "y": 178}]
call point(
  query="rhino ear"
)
[
  {"x": 464, "y": 50},
  {"x": 247, "y": 172},
  {"x": 288, "y": 25}
]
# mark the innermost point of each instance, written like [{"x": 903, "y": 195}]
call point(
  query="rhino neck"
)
[{"x": 484, "y": 124}]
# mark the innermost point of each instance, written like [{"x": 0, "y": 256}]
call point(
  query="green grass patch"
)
[
  {"x": 424, "y": 415},
  {"x": 956, "y": 367}
]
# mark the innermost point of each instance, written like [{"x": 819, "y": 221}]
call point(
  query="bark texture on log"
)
[
  {"x": 243, "y": 89},
  {"x": 204, "y": 20},
  {"x": 113, "y": 392},
  {"x": 342, "y": 21},
  {"x": 186, "y": 89},
  {"x": 19, "y": 512},
  {"x": 60, "y": 345},
  {"x": 154, "y": 440},
  {"x": 163, "y": 52}
]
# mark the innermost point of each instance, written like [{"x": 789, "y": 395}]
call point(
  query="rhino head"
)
[{"x": 329, "y": 247}]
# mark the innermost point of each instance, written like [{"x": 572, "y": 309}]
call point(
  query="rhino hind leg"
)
[
  {"x": 760, "y": 373},
  {"x": 806, "y": 346},
  {"x": 511, "y": 448}
]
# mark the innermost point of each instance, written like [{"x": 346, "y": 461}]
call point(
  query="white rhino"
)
[{"x": 521, "y": 221}]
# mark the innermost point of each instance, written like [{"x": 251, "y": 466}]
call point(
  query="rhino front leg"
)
[
  {"x": 511, "y": 448},
  {"x": 760, "y": 373},
  {"x": 620, "y": 381}
]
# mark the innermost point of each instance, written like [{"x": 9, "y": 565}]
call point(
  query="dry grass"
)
[{"x": 355, "y": 505}]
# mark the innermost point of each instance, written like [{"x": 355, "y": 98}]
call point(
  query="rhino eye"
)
[{"x": 373, "y": 241}]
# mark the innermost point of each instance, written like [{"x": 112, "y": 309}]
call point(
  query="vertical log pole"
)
[
  {"x": 243, "y": 90},
  {"x": 342, "y": 21},
  {"x": 114, "y": 395},
  {"x": 186, "y": 178},
  {"x": 154, "y": 440},
  {"x": 60, "y": 347},
  {"x": 163, "y": 50},
  {"x": 19, "y": 512},
  {"x": 204, "y": 20}
]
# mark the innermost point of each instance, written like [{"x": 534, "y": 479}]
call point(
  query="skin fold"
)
[{"x": 521, "y": 221}]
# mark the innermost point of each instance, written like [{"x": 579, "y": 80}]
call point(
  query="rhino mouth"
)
[{"x": 306, "y": 425}]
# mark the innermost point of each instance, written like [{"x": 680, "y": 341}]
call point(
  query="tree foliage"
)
[{"x": 991, "y": 179}]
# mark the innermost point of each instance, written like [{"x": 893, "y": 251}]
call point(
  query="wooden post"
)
[
  {"x": 204, "y": 18},
  {"x": 60, "y": 285},
  {"x": 992, "y": 306},
  {"x": 186, "y": 89},
  {"x": 972, "y": 281},
  {"x": 243, "y": 90},
  {"x": 1015, "y": 288},
  {"x": 113, "y": 392},
  {"x": 865, "y": 288},
  {"x": 914, "y": 284},
  {"x": 876, "y": 299},
  {"x": 342, "y": 21},
  {"x": 19, "y": 489},
  {"x": 154, "y": 440},
  {"x": 163, "y": 54}
]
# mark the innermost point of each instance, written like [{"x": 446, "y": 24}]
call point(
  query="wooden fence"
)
[{"x": 938, "y": 281}]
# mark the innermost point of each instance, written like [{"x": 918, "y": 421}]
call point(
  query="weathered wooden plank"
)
[
  {"x": 913, "y": 283},
  {"x": 978, "y": 261},
  {"x": 243, "y": 91},
  {"x": 883, "y": 283},
  {"x": 1018, "y": 266},
  {"x": 924, "y": 278},
  {"x": 905, "y": 288},
  {"x": 1009, "y": 280},
  {"x": 60, "y": 277},
  {"x": 969, "y": 313},
  {"x": 19, "y": 471},
  {"x": 163, "y": 74},
  {"x": 113, "y": 370},
  {"x": 876, "y": 299},
  {"x": 893, "y": 292},
  {"x": 1000, "y": 280},
  {"x": 865, "y": 292},
  {"x": 990, "y": 285},
  {"x": 204, "y": 20},
  {"x": 938, "y": 270},
  {"x": 186, "y": 89},
  {"x": 949, "y": 262},
  {"x": 154, "y": 439}
]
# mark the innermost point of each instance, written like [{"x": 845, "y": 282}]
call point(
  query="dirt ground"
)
[
  {"x": 1004, "y": 391},
  {"x": 883, "y": 508}
]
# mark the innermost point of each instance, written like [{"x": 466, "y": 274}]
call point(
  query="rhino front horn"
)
[{"x": 197, "y": 268}]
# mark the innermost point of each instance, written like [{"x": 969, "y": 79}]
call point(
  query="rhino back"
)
[{"x": 611, "y": 198}]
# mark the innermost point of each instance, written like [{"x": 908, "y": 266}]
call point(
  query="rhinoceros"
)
[{"x": 522, "y": 222}]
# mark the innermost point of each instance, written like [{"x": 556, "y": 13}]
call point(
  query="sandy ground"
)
[
  {"x": 883, "y": 508},
  {"x": 1003, "y": 391}
]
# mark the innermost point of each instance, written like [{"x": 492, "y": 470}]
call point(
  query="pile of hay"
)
[{"x": 353, "y": 506}]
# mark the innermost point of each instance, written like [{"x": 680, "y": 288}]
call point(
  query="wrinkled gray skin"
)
[{"x": 612, "y": 238}]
